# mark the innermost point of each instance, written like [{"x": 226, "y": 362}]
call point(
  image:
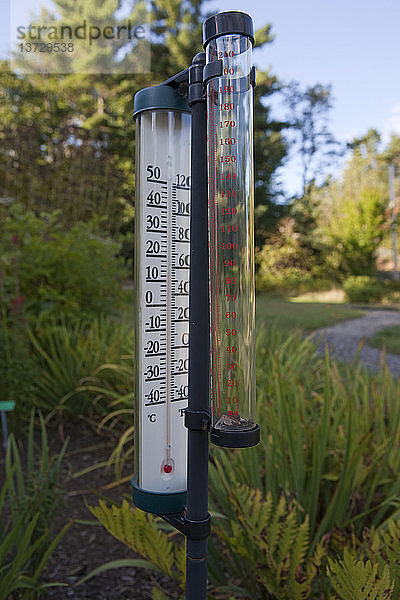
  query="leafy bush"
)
[
  {"x": 18, "y": 546},
  {"x": 142, "y": 533},
  {"x": 362, "y": 288},
  {"x": 36, "y": 489},
  {"x": 327, "y": 438},
  {"x": 75, "y": 272},
  {"x": 70, "y": 354},
  {"x": 324, "y": 474},
  {"x": 283, "y": 264},
  {"x": 18, "y": 367},
  {"x": 33, "y": 497}
]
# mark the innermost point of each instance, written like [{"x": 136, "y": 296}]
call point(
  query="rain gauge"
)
[
  {"x": 194, "y": 280},
  {"x": 231, "y": 228}
]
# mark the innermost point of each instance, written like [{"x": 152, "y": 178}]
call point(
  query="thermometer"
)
[{"x": 162, "y": 216}]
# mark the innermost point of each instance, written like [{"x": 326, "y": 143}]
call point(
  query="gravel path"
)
[{"x": 344, "y": 338}]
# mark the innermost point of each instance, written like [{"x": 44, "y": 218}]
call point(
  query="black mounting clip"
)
[
  {"x": 193, "y": 530},
  {"x": 215, "y": 69},
  {"x": 180, "y": 82},
  {"x": 197, "y": 420}
]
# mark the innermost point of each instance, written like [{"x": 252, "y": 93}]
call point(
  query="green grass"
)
[
  {"x": 388, "y": 339},
  {"x": 289, "y": 315}
]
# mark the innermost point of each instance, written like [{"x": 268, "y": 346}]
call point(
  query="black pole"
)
[{"x": 197, "y": 415}]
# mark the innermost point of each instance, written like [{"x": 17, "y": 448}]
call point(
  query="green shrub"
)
[
  {"x": 35, "y": 489},
  {"x": 70, "y": 353},
  {"x": 18, "y": 366},
  {"x": 34, "y": 494},
  {"x": 284, "y": 265},
  {"x": 325, "y": 472},
  {"x": 75, "y": 272},
  {"x": 361, "y": 288}
]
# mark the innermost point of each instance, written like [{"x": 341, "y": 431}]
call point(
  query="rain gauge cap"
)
[
  {"x": 159, "y": 97},
  {"x": 229, "y": 22}
]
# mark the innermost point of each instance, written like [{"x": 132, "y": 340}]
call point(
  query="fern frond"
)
[
  {"x": 180, "y": 563},
  {"x": 352, "y": 579},
  {"x": 300, "y": 548},
  {"x": 276, "y": 525},
  {"x": 139, "y": 532},
  {"x": 269, "y": 539},
  {"x": 158, "y": 594}
]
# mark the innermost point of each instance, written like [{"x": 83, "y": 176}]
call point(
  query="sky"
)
[{"x": 354, "y": 45}]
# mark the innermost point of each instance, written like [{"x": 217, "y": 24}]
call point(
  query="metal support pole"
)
[
  {"x": 392, "y": 201},
  {"x": 199, "y": 345}
]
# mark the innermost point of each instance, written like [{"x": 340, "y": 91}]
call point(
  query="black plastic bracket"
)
[
  {"x": 197, "y": 420},
  {"x": 193, "y": 530},
  {"x": 180, "y": 82},
  {"x": 212, "y": 69},
  {"x": 196, "y": 91}
]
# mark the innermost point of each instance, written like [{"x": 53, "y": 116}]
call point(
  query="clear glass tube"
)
[
  {"x": 162, "y": 220},
  {"x": 231, "y": 234}
]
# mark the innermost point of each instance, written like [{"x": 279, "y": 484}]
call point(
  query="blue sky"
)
[{"x": 352, "y": 44}]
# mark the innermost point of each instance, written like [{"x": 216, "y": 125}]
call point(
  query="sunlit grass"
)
[
  {"x": 334, "y": 296},
  {"x": 289, "y": 316},
  {"x": 388, "y": 339}
]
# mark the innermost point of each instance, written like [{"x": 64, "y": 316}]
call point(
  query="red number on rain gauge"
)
[
  {"x": 231, "y": 366},
  {"x": 227, "y": 106},
  {"x": 226, "y": 54},
  {"x": 229, "y": 228},
  {"x": 233, "y": 400},
  {"x": 227, "y": 141},
  {"x": 229, "y": 211},
  {"x": 231, "y": 349},
  {"x": 229, "y": 245},
  {"x": 231, "y": 331},
  {"x": 232, "y": 412},
  {"x": 231, "y": 297},
  {"x": 230, "y": 315},
  {"x": 227, "y": 124},
  {"x": 227, "y": 159}
]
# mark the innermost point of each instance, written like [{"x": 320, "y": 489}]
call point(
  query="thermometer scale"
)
[{"x": 162, "y": 256}]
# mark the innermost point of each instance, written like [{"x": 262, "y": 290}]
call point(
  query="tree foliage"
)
[
  {"x": 351, "y": 211},
  {"x": 68, "y": 141}
]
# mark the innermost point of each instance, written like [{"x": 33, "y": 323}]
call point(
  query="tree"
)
[
  {"x": 351, "y": 213},
  {"x": 68, "y": 141},
  {"x": 270, "y": 151},
  {"x": 308, "y": 115}
]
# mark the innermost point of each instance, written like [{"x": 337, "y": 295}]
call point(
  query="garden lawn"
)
[
  {"x": 289, "y": 315},
  {"x": 388, "y": 339}
]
